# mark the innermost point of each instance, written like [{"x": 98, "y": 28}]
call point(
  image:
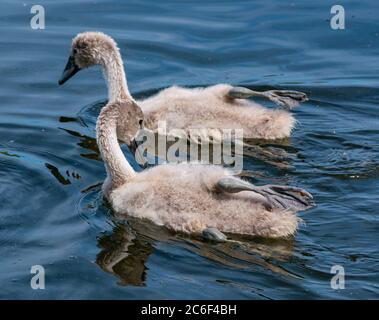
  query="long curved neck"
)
[
  {"x": 114, "y": 74},
  {"x": 118, "y": 169}
]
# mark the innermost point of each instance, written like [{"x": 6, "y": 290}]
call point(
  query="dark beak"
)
[{"x": 69, "y": 71}]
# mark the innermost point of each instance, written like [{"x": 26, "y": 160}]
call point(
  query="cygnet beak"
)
[{"x": 70, "y": 70}]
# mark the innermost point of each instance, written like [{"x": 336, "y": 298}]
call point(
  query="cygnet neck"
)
[
  {"x": 115, "y": 77},
  {"x": 119, "y": 171}
]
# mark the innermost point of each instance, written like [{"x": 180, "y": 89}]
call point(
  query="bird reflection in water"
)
[
  {"x": 124, "y": 254},
  {"x": 126, "y": 250}
]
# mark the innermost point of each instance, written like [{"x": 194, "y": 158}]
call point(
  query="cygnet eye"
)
[{"x": 75, "y": 51}]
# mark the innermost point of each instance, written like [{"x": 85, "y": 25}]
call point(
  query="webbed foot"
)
[
  {"x": 287, "y": 197},
  {"x": 284, "y": 98},
  {"x": 270, "y": 196},
  {"x": 214, "y": 234}
]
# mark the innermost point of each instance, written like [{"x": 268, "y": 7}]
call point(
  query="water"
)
[{"x": 52, "y": 213}]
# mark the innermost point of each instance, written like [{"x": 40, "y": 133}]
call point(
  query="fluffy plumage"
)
[
  {"x": 183, "y": 197},
  {"x": 211, "y": 108}
]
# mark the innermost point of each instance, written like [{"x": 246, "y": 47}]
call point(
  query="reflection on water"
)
[
  {"x": 55, "y": 172},
  {"x": 88, "y": 143},
  {"x": 52, "y": 212},
  {"x": 124, "y": 254}
]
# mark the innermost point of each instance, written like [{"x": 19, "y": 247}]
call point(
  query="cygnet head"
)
[{"x": 89, "y": 49}]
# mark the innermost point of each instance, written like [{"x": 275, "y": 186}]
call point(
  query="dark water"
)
[{"x": 51, "y": 211}]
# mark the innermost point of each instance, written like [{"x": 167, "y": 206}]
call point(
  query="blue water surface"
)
[{"x": 51, "y": 210}]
